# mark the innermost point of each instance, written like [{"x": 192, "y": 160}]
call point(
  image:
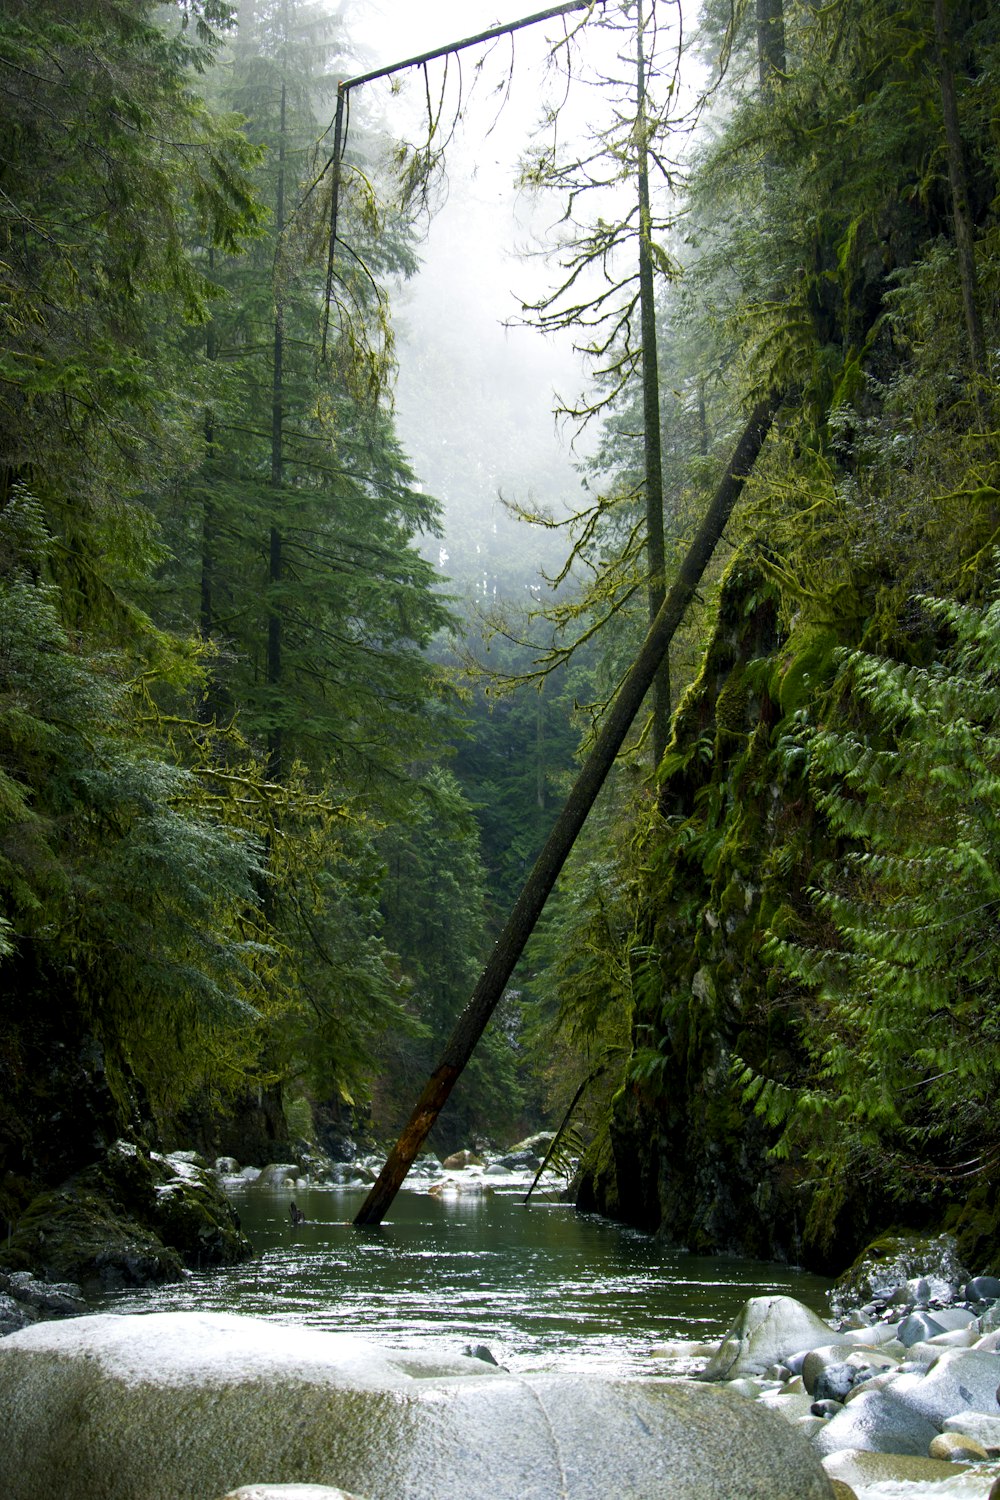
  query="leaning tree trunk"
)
[
  {"x": 528, "y": 908},
  {"x": 656, "y": 554}
]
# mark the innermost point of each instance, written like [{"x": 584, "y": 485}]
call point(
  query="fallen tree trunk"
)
[{"x": 528, "y": 908}]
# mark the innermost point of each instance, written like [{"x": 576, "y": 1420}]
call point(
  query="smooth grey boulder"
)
[
  {"x": 863, "y": 1469},
  {"x": 979, "y": 1425},
  {"x": 877, "y": 1422},
  {"x": 862, "y": 1360},
  {"x": 917, "y": 1328},
  {"x": 278, "y": 1174},
  {"x": 288, "y": 1492},
  {"x": 765, "y": 1332},
  {"x": 960, "y": 1380},
  {"x": 181, "y": 1406}
]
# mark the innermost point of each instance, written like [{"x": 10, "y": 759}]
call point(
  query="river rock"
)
[
  {"x": 132, "y": 1218},
  {"x": 979, "y": 1425},
  {"x": 14, "y": 1315},
  {"x": 982, "y": 1289},
  {"x": 459, "y": 1159},
  {"x": 960, "y": 1380},
  {"x": 887, "y": 1264},
  {"x": 918, "y": 1327},
  {"x": 180, "y": 1406},
  {"x": 957, "y": 1447},
  {"x": 856, "y": 1363},
  {"x": 288, "y": 1492},
  {"x": 877, "y": 1421},
  {"x": 863, "y": 1470},
  {"x": 277, "y": 1174},
  {"x": 765, "y": 1332}
]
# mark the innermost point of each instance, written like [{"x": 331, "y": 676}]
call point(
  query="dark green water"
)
[{"x": 543, "y": 1287}]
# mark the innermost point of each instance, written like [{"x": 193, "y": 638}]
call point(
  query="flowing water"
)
[{"x": 543, "y": 1287}]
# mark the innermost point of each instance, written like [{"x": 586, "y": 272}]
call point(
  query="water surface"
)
[{"x": 543, "y": 1287}]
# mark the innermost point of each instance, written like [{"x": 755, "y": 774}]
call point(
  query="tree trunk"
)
[
  {"x": 274, "y": 746},
  {"x": 961, "y": 215},
  {"x": 656, "y": 560},
  {"x": 770, "y": 42},
  {"x": 527, "y": 909}
]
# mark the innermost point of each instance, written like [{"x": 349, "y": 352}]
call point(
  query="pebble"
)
[
  {"x": 979, "y": 1425},
  {"x": 952, "y": 1446}
]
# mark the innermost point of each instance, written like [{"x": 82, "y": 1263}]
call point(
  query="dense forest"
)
[{"x": 269, "y": 783}]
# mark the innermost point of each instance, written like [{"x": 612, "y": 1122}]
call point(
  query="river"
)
[{"x": 542, "y": 1287}]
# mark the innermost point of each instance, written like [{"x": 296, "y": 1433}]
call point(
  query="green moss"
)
[{"x": 804, "y": 667}]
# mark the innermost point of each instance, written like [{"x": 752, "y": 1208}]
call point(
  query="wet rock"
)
[
  {"x": 131, "y": 1219},
  {"x": 890, "y": 1262},
  {"x": 459, "y": 1159},
  {"x": 227, "y": 1166},
  {"x": 288, "y": 1492},
  {"x": 863, "y": 1470},
  {"x": 842, "y": 1491},
  {"x": 187, "y": 1405},
  {"x": 956, "y": 1447},
  {"x": 878, "y": 1422},
  {"x": 481, "y": 1351},
  {"x": 54, "y": 1299},
  {"x": 979, "y": 1425},
  {"x": 767, "y": 1330},
  {"x": 277, "y": 1174}
]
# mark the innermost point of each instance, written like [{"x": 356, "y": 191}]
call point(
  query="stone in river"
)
[
  {"x": 863, "y": 1470},
  {"x": 961, "y": 1380},
  {"x": 765, "y": 1332},
  {"x": 182, "y": 1406},
  {"x": 979, "y": 1425},
  {"x": 956, "y": 1446},
  {"x": 288, "y": 1492},
  {"x": 918, "y": 1327},
  {"x": 983, "y": 1289},
  {"x": 877, "y": 1422}
]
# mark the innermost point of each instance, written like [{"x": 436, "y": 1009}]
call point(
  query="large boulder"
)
[
  {"x": 765, "y": 1332},
  {"x": 888, "y": 1264},
  {"x": 182, "y": 1406},
  {"x": 134, "y": 1217}
]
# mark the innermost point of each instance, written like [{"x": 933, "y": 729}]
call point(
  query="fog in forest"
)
[{"x": 476, "y": 390}]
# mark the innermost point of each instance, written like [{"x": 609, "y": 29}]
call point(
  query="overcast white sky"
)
[{"x": 481, "y": 173}]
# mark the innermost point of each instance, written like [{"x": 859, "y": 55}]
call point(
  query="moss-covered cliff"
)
[{"x": 727, "y": 863}]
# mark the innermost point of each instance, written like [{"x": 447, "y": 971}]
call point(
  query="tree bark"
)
[
  {"x": 275, "y": 541},
  {"x": 656, "y": 555},
  {"x": 510, "y": 944},
  {"x": 770, "y": 42},
  {"x": 961, "y": 215}
]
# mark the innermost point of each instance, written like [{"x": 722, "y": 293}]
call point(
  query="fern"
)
[{"x": 905, "y": 1029}]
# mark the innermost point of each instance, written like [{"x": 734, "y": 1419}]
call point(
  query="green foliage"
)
[{"x": 903, "y": 1030}]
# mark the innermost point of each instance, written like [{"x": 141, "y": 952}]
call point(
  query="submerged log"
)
[{"x": 528, "y": 907}]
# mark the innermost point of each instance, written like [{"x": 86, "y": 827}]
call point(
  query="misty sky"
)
[{"x": 473, "y": 282}]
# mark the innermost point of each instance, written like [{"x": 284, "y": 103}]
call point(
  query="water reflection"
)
[{"x": 543, "y": 1287}]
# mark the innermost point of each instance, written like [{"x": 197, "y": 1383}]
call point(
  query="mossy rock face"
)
[
  {"x": 131, "y": 1219},
  {"x": 976, "y": 1227},
  {"x": 76, "y": 1234},
  {"x": 193, "y": 1215},
  {"x": 892, "y": 1260}
]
